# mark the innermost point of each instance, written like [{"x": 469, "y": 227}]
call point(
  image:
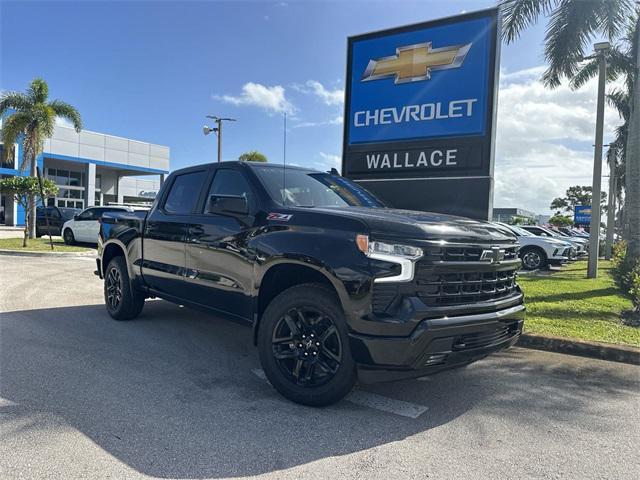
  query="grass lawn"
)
[
  {"x": 39, "y": 245},
  {"x": 567, "y": 304}
]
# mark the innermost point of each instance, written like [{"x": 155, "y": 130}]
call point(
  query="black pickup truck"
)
[{"x": 336, "y": 286}]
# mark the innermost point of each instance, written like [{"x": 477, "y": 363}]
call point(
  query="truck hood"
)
[{"x": 410, "y": 224}]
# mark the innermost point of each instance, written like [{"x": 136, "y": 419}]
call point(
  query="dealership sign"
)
[
  {"x": 582, "y": 215},
  {"x": 420, "y": 104}
]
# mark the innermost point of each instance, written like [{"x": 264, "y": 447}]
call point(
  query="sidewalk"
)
[{"x": 11, "y": 232}]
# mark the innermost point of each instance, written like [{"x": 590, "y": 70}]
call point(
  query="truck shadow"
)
[{"x": 172, "y": 394}]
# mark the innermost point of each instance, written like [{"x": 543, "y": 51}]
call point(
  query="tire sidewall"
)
[
  {"x": 324, "y": 300},
  {"x": 71, "y": 237},
  {"x": 132, "y": 302}
]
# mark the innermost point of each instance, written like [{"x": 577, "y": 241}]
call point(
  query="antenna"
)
[{"x": 284, "y": 162}]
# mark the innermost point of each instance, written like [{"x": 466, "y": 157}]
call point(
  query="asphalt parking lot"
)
[{"x": 179, "y": 394}]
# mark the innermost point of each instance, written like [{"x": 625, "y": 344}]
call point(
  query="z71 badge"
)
[{"x": 283, "y": 217}]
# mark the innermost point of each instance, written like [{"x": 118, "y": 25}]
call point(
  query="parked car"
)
[
  {"x": 84, "y": 226},
  {"x": 335, "y": 286},
  {"x": 538, "y": 252},
  {"x": 55, "y": 216},
  {"x": 580, "y": 244}
]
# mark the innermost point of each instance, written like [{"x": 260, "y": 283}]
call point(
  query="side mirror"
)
[
  {"x": 76, "y": 216},
  {"x": 234, "y": 205}
]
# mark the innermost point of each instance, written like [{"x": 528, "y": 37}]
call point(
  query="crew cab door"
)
[
  {"x": 219, "y": 271},
  {"x": 163, "y": 264}
]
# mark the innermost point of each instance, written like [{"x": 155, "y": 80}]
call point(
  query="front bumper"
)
[{"x": 436, "y": 344}]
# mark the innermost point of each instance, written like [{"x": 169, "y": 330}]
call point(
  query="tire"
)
[
  {"x": 298, "y": 322},
  {"x": 533, "y": 258},
  {"x": 68, "y": 237},
  {"x": 123, "y": 302}
]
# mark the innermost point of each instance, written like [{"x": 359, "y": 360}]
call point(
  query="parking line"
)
[{"x": 373, "y": 400}]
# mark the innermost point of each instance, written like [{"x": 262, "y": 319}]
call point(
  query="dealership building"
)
[{"x": 90, "y": 169}]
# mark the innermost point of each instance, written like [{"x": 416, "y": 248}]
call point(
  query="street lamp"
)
[
  {"x": 217, "y": 130},
  {"x": 601, "y": 50}
]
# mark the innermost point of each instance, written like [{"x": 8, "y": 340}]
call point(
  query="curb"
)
[
  {"x": 601, "y": 351},
  {"x": 17, "y": 253}
]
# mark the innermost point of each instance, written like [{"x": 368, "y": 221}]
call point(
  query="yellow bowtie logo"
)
[{"x": 415, "y": 62}]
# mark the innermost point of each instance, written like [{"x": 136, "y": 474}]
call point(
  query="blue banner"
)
[{"x": 582, "y": 215}]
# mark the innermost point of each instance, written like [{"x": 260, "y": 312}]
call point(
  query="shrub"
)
[{"x": 628, "y": 279}]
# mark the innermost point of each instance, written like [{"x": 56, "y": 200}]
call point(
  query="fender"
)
[{"x": 134, "y": 271}]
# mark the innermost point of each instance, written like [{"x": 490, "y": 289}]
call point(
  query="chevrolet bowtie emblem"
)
[{"x": 415, "y": 62}]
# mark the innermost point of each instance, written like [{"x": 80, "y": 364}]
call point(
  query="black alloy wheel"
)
[
  {"x": 114, "y": 288},
  {"x": 122, "y": 299},
  {"x": 306, "y": 346},
  {"x": 303, "y": 343}
]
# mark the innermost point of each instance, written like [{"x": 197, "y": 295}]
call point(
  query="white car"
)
[
  {"x": 84, "y": 226},
  {"x": 538, "y": 252},
  {"x": 580, "y": 244}
]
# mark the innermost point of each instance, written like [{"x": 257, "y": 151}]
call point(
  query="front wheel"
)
[
  {"x": 68, "y": 237},
  {"x": 533, "y": 259},
  {"x": 304, "y": 346},
  {"x": 122, "y": 300}
]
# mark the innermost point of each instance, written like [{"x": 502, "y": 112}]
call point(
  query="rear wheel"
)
[
  {"x": 304, "y": 346},
  {"x": 533, "y": 258},
  {"x": 122, "y": 300},
  {"x": 68, "y": 237}
]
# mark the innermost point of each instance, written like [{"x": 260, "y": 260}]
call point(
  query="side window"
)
[
  {"x": 89, "y": 214},
  {"x": 184, "y": 193},
  {"x": 230, "y": 182}
]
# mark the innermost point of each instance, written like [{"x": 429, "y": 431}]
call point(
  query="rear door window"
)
[{"x": 184, "y": 192}]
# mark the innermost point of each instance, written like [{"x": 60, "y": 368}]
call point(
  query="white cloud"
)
[
  {"x": 272, "y": 99},
  {"x": 337, "y": 120},
  {"x": 544, "y": 140},
  {"x": 328, "y": 96},
  {"x": 328, "y": 161}
]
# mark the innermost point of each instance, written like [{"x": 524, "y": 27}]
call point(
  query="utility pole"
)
[
  {"x": 594, "y": 231},
  {"x": 217, "y": 130},
  {"x": 611, "y": 208}
]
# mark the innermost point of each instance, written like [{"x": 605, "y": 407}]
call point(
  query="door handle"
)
[{"x": 196, "y": 231}]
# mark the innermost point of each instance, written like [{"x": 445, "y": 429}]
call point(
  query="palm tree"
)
[
  {"x": 31, "y": 117},
  {"x": 572, "y": 25}
]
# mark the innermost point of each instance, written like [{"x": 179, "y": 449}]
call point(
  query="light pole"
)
[
  {"x": 217, "y": 130},
  {"x": 594, "y": 230}
]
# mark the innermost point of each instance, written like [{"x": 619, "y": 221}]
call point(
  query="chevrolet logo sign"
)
[{"x": 415, "y": 62}]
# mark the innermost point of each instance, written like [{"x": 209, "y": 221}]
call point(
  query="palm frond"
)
[
  {"x": 621, "y": 101},
  {"x": 619, "y": 64},
  {"x": 613, "y": 15},
  {"x": 571, "y": 27},
  {"x": 14, "y": 101},
  {"x": 38, "y": 90},
  {"x": 13, "y": 126},
  {"x": 519, "y": 14},
  {"x": 64, "y": 110}
]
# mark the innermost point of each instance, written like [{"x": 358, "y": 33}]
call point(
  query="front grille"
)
[
  {"x": 484, "y": 339},
  {"x": 458, "y": 288},
  {"x": 453, "y": 276},
  {"x": 463, "y": 254}
]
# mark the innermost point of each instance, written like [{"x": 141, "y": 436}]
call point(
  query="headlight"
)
[{"x": 403, "y": 255}]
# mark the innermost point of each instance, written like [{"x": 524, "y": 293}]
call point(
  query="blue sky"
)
[{"x": 153, "y": 70}]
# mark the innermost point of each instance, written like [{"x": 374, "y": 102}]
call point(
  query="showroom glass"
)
[
  {"x": 184, "y": 193},
  {"x": 229, "y": 182},
  {"x": 303, "y": 188}
]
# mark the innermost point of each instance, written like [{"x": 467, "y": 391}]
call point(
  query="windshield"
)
[
  {"x": 314, "y": 189},
  {"x": 521, "y": 231}
]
